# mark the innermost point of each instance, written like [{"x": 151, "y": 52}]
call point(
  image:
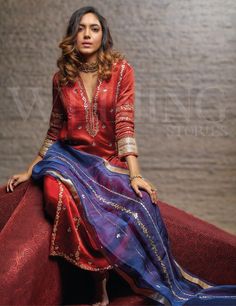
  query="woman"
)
[{"x": 105, "y": 213}]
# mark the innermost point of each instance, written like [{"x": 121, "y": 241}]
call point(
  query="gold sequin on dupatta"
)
[{"x": 143, "y": 228}]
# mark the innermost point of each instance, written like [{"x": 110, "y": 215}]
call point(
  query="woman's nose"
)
[{"x": 87, "y": 32}]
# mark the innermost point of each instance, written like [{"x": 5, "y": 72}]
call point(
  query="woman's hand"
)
[
  {"x": 137, "y": 183},
  {"x": 17, "y": 179}
]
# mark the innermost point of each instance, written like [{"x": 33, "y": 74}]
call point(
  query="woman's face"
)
[{"x": 90, "y": 31}]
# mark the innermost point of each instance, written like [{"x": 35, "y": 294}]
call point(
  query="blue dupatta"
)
[{"x": 129, "y": 230}]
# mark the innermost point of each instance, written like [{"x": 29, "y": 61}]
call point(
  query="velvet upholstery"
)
[{"x": 30, "y": 277}]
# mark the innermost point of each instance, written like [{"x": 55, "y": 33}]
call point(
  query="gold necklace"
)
[{"x": 88, "y": 67}]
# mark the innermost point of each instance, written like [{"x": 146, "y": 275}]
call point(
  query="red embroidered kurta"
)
[{"x": 103, "y": 126}]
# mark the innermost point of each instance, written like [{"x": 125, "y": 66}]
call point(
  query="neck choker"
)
[{"x": 88, "y": 67}]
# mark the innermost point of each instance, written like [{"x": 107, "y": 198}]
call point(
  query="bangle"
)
[{"x": 134, "y": 176}]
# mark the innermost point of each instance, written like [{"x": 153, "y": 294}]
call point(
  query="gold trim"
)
[
  {"x": 124, "y": 118},
  {"x": 115, "y": 168},
  {"x": 192, "y": 279},
  {"x": 56, "y": 115},
  {"x": 90, "y": 107},
  {"x": 125, "y": 106},
  {"x": 127, "y": 145},
  {"x": 123, "y": 171},
  {"x": 142, "y": 227},
  {"x": 45, "y": 146},
  {"x": 54, "y": 249},
  {"x": 152, "y": 294},
  {"x": 119, "y": 81}
]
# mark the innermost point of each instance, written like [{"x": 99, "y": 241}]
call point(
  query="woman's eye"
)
[{"x": 94, "y": 29}]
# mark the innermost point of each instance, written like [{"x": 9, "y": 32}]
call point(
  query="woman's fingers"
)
[
  {"x": 154, "y": 194},
  {"x": 9, "y": 187},
  {"x": 135, "y": 187},
  {"x": 12, "y": 182},
  {"x": 8, "y": 182},
  {"x": 16, "y": 182},
  {"x": 150, "y": 189}
]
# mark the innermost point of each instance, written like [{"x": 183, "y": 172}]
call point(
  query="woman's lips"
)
[{"x": 87, "y": 44}]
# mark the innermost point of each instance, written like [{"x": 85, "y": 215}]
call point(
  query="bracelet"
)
[{"x": 134, "y": 176}]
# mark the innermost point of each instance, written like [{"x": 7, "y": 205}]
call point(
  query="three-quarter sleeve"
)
[
  {"x": 124, "y": 116},
  {"x": 56, "y": 118}
]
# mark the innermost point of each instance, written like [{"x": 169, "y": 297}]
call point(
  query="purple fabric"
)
[
  {"x": 201, "y": 247},
  {"x": 129, "y": 231}
]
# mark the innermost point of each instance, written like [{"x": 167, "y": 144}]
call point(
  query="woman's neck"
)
[{"x": 90, "y": 59}]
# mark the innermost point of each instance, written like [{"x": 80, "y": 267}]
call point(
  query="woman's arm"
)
[
  {"x": 136, "y": 182},
  {"x": 125, "y": 131},
  {"x": 34, "y": 162},
  {"x": 124, "y": 117},
  {"x": 133, "y": 165},
  {"x": 16, "y": 179},
  {"x": 56, "y": 120},
  {"x": 55, "y": 125}
]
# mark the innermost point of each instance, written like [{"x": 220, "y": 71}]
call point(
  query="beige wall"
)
[{"x": 183, "y": 53}]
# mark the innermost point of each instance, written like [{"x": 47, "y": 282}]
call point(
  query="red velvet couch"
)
[{"x": 28, "y": 276}]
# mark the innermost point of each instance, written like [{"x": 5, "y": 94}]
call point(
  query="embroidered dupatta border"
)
[
  {"x": 187, "y": 276},
  {"x": 53, "y": 249}
]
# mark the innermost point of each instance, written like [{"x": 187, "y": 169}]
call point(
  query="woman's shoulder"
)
[
  {"x": 123, "y": 66},
  {"x": 123, "y": 62},
  {"x": 55, "y": 77}
]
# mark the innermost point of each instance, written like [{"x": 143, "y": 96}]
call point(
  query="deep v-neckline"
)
[
  {"x": 80, "y": 80},
  {"x": 90, "y": 107}
]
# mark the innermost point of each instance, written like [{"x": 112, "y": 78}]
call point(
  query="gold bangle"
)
[{"x": 134, "y": 176}]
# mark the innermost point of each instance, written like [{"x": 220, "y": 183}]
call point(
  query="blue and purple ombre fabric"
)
[{"x": 129, "y": 230}]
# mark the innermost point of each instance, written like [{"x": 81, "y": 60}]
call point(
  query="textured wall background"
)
[{"x": 184, "y": 57}]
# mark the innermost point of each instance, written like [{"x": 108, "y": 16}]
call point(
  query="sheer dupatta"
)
[{"x": 129, "y": 231}]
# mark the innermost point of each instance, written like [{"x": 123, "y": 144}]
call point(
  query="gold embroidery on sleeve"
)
[
  {"x": 127, "y": 145},
  {"x": 45, "y": 146}
]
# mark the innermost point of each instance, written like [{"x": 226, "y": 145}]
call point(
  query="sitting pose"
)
[{"x": 105, "y": 214}]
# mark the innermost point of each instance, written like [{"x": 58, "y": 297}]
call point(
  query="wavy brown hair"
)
[{"x": 70, "y": 58}]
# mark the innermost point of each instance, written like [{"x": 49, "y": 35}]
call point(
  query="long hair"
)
[{"x": 70, "y": 58}]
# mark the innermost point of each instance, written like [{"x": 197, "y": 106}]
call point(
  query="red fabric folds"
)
[
  {"x": 70, "y": 236},
  {"x": 29, "y": 276},
  {"x": 110, "y": 131}
]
